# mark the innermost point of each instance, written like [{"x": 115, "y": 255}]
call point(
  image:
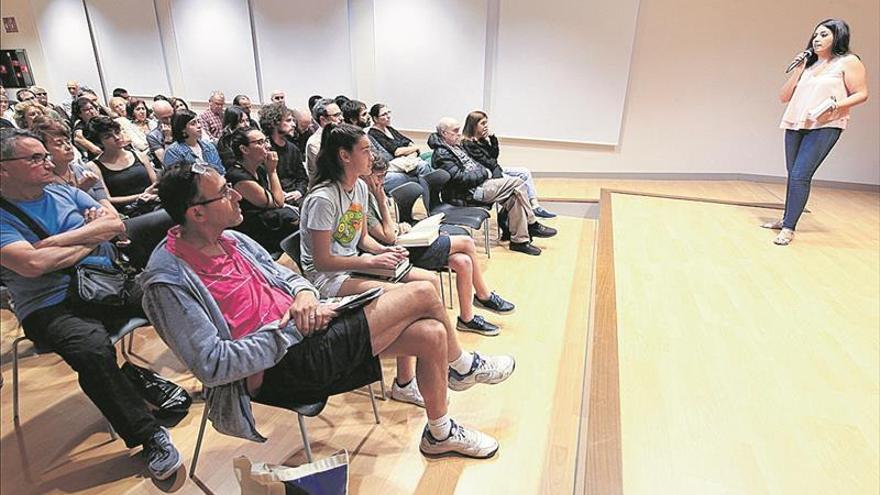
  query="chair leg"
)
[
  {"x": 442, "y": 290},
  {"x": 449, "y": 274},
  {"x": 373, "y": 402},
  {"x": 15, "y": 377},
  {"x": 195, "y": 459},
  {"x": 486, "y": 238},
  {"x": 382, "y": 389},
  {"x": 305, "y": 435}
]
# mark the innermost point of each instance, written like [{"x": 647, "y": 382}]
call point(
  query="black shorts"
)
[
  {"x": 327, "y": 363},
  {"x": 433, "y": 257}
]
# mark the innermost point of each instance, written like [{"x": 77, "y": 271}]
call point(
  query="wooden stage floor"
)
[{"x": 672, "y": 386}]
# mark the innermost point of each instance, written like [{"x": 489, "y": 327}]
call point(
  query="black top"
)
[
  {"x": 291, "y": 171},
  {"x": 236, "y": 174},
  {"x": 390, "y": 144},
  {"x": 128, "y": 181},
  {"x": 485, "y": 152}
]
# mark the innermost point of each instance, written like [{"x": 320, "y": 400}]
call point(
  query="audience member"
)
[
  {"x": 234, "y": 118},
  {"x": 277, "y": 123},
  {"x": 24, "y": 94},
  {"x": 83, "y": 111},
  {"x": 36, "y": 272},
  {"x": 254, "y": 175},
  {"x": 28, "y": 111},
  {"x": 188, "y": 146},
  {"x": 160, "y": 137},
  {"x": 68, "y": 169},
  {"x": 244, "y": 102},
  {"x": 470, "y": 183},
  {"x": 458, "y": 252},
  {"x": 212, "y": 117},
  {"x": 483, "y": 147},
  {"x": 118, "y": 107},
  {"x": 405, "y": 164},
  {"x": 73, "y": 90},
  {"x": 136, "y": 125},
  {"x": 314, "y": 125},
  {"x": 43, "y": 97},
  {"x": 324, "y": 112},
  {"x": 7, "y": 115},
  {"x": 129, "y": 178},
  {"x": 278, "y": 96},
  {"x": 179, "y": 104},
  {"x": 334, "y": 228},
  {"x": 303, "y": 130}
]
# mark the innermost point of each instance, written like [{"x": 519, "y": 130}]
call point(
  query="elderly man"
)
[
  {"x": 160, "y": 137},
  {"x": 278, "y": 96},
  {"x": 73, "y": 89},
  {"x": 212, "y": 118},
  {"x": 302, "y": 129},
  {"x": 470, "y": 183},
  {"x": 250, "y": 328},
  {"x": 45, "y": 229},
  {"x": 325, "y": 111}
]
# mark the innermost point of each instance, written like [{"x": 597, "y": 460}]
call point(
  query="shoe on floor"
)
[
  {"x": 775, "y": 225},
  {"x": 495, "y": 303},
  {"x": 784, "y": 238},
  {"x": 525, "y": 247},
  {"x": 409, "y": 394},
  {"x": 489, "y": 370},
  {"x": 460, "y": 442},
  {"x": 163, "y": 459},
  {"x": 538, "y": 230},
  {"x": 479, "y": 325},
  {"x": 543, "y": 213}
]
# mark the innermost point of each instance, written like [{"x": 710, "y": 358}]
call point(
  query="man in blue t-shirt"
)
[{"x": 36, "y": 272}]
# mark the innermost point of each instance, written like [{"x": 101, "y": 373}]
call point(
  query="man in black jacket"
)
[
  {"x": 277, "y": 122},
  {"x": 470, "y": 183}
]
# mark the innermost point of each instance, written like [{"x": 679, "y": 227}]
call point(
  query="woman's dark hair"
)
[
  {"x": 98, "y": 126},
  {"x": 178, "y": 124},
  {"x": 232, "y": 117},
  {"x": 77, "y": 106},
  {"x": 160, "y": 97},
  {"x": 237, "y": 100},
  {"x": 840, "y": 30},
  {"x": 240, "y": 138},
  {"x": 132, "y": 105},
  {"x": 340, "y": 100},
  {"x": 376, "y": 109},
  {"x": 175, "y": 100},
  {"x": 470, "y": 123},
  {"x": 178, "y": 187},
  {"x": 351, "y": 110},
  {"x": 334, "y": 138},
  {"x": 312, "y": 100}
]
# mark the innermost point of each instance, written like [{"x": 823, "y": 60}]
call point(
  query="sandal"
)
[
  {"x": 784, "y": 238},
  {"x": 772, "y": 225}
]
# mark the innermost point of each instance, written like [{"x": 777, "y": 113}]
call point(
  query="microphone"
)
[{"x": 799, "y": 59}]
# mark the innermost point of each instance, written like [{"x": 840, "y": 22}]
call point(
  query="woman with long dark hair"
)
[
  {"x": 819, "y": 93},
  {"x": 233, "y": 118}
]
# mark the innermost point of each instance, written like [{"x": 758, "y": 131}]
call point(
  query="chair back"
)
[
  {"x": 291, "y": 246},
  {"x": 432, "y": 184},
  {"x": 405, "y": 195},
  {"x": 145, "y": 232}
]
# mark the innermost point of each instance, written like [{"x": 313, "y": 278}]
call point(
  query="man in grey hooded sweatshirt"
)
[{"x": 250, "y": 328}]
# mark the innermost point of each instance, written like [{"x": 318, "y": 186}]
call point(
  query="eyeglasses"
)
[
  {"x": 258, "y": 142},
  {"x": 278, "y": 98},
  {"x": 40, "y": 94},
  {"x": 226, "y": 193},
  {"x": 33, "y": 159}
]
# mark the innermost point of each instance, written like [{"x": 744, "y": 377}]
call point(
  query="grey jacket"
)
[{"x": 189, "y": 321}]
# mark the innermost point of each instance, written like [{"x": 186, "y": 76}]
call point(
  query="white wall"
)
[{"x": 702, "y": 91}]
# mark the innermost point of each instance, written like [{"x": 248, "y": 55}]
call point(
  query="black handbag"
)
[
  {"x": 163, "y": 395},
  {"x": 89, "y": 283}
]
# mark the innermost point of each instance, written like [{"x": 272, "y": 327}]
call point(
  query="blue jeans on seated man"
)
[
  {"x": 395, "y": 179},
  {"x": 805, "y": 149}
]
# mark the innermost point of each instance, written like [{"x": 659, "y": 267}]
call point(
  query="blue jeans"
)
[
  {"x": 805, "y": 149},
  {"x": 394, "y": 179},
  {"x": 526, "y": 176}
]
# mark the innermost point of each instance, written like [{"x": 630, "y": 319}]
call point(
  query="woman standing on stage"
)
[{"x": 829, "y": 76}]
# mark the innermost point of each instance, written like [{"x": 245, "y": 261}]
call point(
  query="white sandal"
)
[
  {"x": 776, "y": 225},
  {"x": 784, "y": 238}
]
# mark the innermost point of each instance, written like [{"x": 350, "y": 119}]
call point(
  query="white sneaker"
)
[
  {"x": 489, "y": 370},
  {"x": 784, "y": 238},
  {"x": 409, "y": 394},
  {"x": 460, "y": 442},
  {"x": 775, "y": 225}
]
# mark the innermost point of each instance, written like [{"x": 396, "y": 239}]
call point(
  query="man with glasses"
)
[
  {"x": 36, "y": 271},
  {"x": 249, "y": 328},
  {"x": 43, "y": 97},
  {"x": 326, "y": 111},
  {"x": 212, "y": 118},
  {"x": 160, "y": 137}
]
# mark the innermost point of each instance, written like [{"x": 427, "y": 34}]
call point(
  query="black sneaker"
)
[
  {"x": 495, "y": 303},
  {"x": 163, "y": 459},
  {"x": 538, "y": 230},
  {"x": 525, "y": 247},
  {"x": 477, "y": 325}
]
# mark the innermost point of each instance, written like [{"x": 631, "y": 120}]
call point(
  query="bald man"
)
[{"x": 160, "y": 136}]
